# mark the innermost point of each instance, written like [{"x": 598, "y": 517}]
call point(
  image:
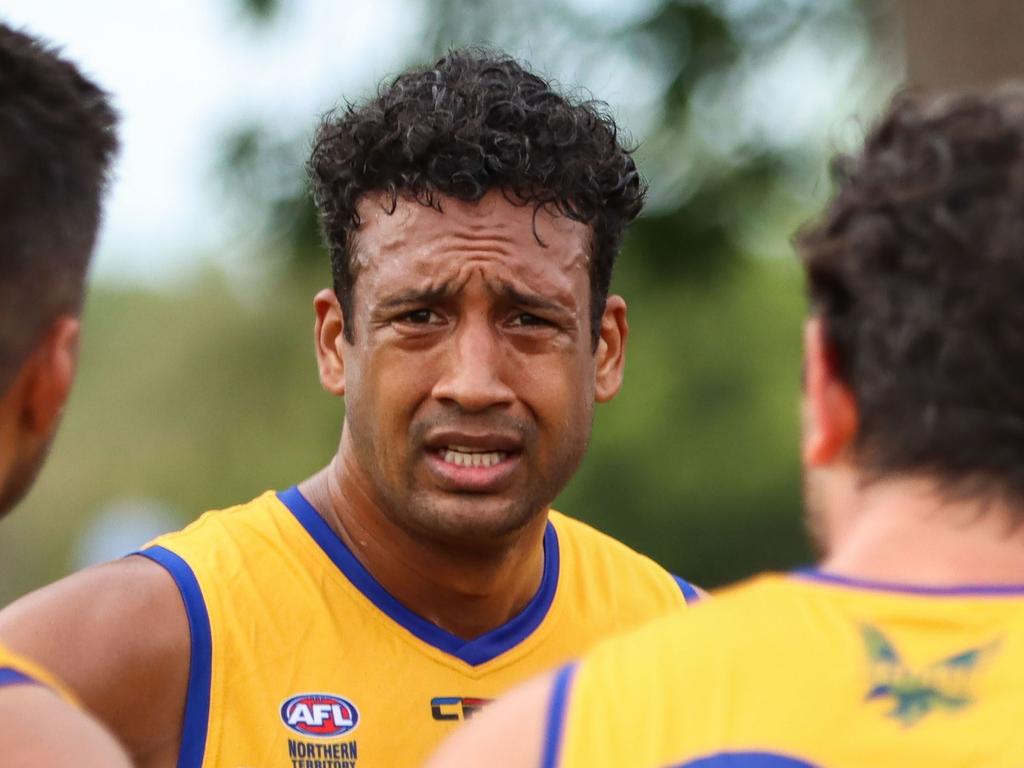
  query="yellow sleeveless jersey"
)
[
  {"x": 17, "y": 670},
  {"x": 804, "y": 671},
  {"x": 300, "y": 659}
]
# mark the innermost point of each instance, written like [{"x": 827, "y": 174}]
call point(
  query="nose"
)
[{"x": 475, "y": 369}]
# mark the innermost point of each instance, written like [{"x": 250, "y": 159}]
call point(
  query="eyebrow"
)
[
  {"x": 417, "y": 296},
  {"x": 446, "y": 290},
  {"x": 531, "y": 300}
]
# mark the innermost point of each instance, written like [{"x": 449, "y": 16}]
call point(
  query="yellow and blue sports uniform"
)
[
  {"x": 805, "y": 670},
  {"x": 300, "y": 659},
  {"x": 17, "y": 670}
]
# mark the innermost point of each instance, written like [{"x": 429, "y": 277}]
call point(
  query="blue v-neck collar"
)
[{"x": 474, "y": 652}]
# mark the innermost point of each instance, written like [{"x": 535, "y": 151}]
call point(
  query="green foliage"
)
[
  {"x": 207, "y": 395},
  {"x": 695, "y": 462},
  {"x": 677, "y": 52},
  {"x": 201, "y": 398}
]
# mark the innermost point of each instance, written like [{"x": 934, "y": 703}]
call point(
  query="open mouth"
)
[
  {"x": 464, "y": 456},
  {"x": 471, "y": 461}
]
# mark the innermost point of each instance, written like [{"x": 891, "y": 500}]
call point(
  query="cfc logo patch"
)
[
  {"x": 455, "y": 707},
  {"x": 321, "y": 715}
]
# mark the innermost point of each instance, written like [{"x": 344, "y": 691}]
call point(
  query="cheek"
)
[
  {"x": 381, "y": 402},
  {"x": 394, "y": 385},
  {"x": 560, "y": 390}
]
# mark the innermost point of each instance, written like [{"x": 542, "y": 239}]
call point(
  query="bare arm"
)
[
  {"x": 511, "y": 733},
  {"x": 39, "y": 730},
  {"x": 117, "y": 635}
]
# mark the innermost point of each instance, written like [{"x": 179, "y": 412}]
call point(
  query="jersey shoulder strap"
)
[{"x": 18, "y": 670}]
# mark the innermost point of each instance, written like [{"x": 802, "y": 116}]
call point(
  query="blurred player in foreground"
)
[
  {"x": 473, "y": 215},
  {"x": 57, "y": 139},
  {"x": 905, "y": 646}
]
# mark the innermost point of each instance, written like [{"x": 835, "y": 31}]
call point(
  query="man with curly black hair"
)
[
  {"x": 473, "y": 215},
  {"x": 57, "y": 140},
  {"x": 905, "y": 646}
]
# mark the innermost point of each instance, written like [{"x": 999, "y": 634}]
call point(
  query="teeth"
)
[{"x": 462, "y": 456}]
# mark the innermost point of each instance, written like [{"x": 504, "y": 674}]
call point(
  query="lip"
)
[
  {"x": 480, "y": 441},
  {"x": 459, "y": 479}
]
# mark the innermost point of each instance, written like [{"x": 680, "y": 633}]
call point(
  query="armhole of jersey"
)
[
  {"x": 555, "y": 727},
  {"x": 192, "y": 747},
  {"x": 12, "y": 676},
  {"x": 18, "y": 670},
  {"x": 690, "y": 593}
]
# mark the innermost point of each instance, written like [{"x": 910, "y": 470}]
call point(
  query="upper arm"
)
[
  {"x": 511, "y": 733},
  {"x": 117, "y": 636},
  {"x": 39, "y": 730}
]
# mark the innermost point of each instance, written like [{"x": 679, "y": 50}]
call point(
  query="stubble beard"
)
[
  {"x": 465, "y": 520},
  {"x": 469, "y": 520}
]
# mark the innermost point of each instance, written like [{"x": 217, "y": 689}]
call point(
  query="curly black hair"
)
[
  {"x": 917, "y": 270},
  {"x": 475, "y": 121},
  {"x": 57, "y": 140}
]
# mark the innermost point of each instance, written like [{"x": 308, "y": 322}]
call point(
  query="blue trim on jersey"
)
[
  {"x": 474, "y": 652},
  {"x": 555, "y": 728},
  {"x": 746, "y": 760},
  {"x": 963, "y": 590},
  {"x": 690, "y": 593},
  {"x": 197, "y": 699},
  {"x": 11, "y": 676}
]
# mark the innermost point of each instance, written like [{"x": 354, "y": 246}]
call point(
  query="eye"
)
[
  {"x": 526, "y": 320},
  {"x": 418, "y": 317}
]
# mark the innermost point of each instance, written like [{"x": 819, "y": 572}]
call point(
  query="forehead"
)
[{"x": 493, "y": 237}]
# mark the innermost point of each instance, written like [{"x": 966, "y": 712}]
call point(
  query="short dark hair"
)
[
  {"x": 917, "y": 270},
  {"x": 475, "y": 121},
  {"x": 57, "y": 138}
]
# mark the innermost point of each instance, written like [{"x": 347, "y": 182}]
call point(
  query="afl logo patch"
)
[{"x": 321, "y": 715}]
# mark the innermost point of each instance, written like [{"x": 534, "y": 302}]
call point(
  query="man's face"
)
[{"x": 470, "y": 383}]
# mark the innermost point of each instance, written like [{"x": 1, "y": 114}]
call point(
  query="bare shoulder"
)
[
  {"x": 38, "y": 730},
  {"x": 131, "y": 603},
  {"x": 113, "y": 634},
  {"x": 510, "y": 733}
]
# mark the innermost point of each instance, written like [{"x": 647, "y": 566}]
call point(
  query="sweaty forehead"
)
[{"x": 515, "y": 241}]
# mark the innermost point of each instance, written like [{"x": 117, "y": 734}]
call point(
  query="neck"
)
[
  {"x": 905, "y": 531},
  {"x": 467, "y": 592}
]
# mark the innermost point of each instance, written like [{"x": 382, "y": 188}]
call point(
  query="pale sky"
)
[{"x": 182, "y": 74}]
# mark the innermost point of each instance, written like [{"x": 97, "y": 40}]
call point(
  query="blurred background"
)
[{"x": 198, "y": 384}]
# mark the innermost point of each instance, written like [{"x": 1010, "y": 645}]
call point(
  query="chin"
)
[{"x": 476, "y": 519}]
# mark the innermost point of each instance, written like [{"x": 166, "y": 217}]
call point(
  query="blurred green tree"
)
[
  {"x": 205, "y": 393},
  {"x": 696, "y": 461}
]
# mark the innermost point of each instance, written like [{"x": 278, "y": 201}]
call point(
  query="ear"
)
[
  {"x": 829, "y": 408},
  {"x": 330, "y": 341},
  {"x": 48, "y": 375},
  {"x": 611, "y": 350}
]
